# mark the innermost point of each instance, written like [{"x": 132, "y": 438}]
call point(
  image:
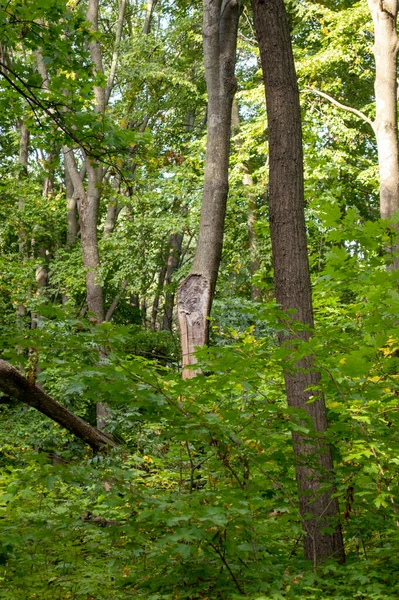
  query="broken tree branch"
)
[{"x": 15, "y": 385}]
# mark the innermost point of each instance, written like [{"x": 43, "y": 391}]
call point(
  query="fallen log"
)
[{"x": 15, "y": 385}]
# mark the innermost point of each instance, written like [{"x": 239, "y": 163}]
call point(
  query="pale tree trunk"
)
[
  {"x": 175, "y": 243},
  {"x": 48, "y": 183},
  {"x": 113, "y": 209},
  {"x": 384, "y": 13},
  {"x": 155, "y": 305},
  {"x": 115, "y": 54},
  {"x": 88, "y": 201},
  {"x": 72, "y": 220},
  {"x": 148, "y": 16},
  {"x": 195, "y": 293},
  {"x": 88, "y": 229},
  {"x": 91, "y": 202},
  {"x": 313, "y": 460}
]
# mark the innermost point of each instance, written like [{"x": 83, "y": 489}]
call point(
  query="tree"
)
[
  {"x": 384, "y": 13},
  {"x": 196, "y": 292},
  {"x": 319, "y": 508}
]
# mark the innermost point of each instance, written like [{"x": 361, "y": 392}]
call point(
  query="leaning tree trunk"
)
[
  {"x": 13, "y": 384},
  {"x": 384, "y": 13},
  {"x": 195, "y": 293},
  {"x": 313, "y": 460}
]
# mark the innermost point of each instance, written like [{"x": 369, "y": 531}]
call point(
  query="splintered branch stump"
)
[{"x": 194, "y": 299}]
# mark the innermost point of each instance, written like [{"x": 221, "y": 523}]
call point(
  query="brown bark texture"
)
[
  {"x": 384, "y": 14},
  {"x": 313, "y": 459},
  {"x": 72, "y": 218},
  {"x": 195, "y": 293},
  {"x": 13, "y": 384}
]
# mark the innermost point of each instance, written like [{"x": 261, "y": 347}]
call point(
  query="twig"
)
[{"x": 222, "y": 558}]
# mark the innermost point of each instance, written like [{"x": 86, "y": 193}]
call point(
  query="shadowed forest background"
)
[{"x": 199, "y": 340}]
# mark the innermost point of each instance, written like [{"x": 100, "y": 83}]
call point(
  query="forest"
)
[{"x": 199, "y": 290}]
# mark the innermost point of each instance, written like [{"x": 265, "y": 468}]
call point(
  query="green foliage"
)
[{"x": 199, "y": 500}]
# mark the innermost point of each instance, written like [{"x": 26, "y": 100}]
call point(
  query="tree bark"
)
[
  {"x": 13, "y": 384},
  {"x": 155, "y": 305},
  {"x": 88, "y": 228},
  {"x": 72, "y": 221},
  {"x": 151, "y": 4},
  {"x": 384, "y": 14},
  {"x": 23, "y": 165},
  {"x": 314, "y": 467},
  {"x": 196, "y": 292},
  {"x": 115, "y": 54}
]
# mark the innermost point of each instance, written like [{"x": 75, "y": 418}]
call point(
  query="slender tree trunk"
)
[
  {"x": 314, "y": 467},
  {"x": 175, "y": 243},
  {"x": 151, "y": 4},
  {"x": 254, "y": 265},
  {"x": 384, "y": 13},
  {"x": 88, "y": 227},
  {"x": 115, "y": 54},
  {"x": 110, "y": 221},
  {"x": 23, "y": 174},
  {"x": 72, "y": 220},
  {"x": 155, "y": 305},
  {"x": 196, "y": 292}
]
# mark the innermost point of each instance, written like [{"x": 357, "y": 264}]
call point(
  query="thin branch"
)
[
  {"x": 115, "y": 54},
  {"x": 354, "y": 111},
  {"x": 222, "y": 558},
  {"x": 115, "y": 302}
]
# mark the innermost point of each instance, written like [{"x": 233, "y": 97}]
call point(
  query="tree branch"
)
[
  {"x": 115, "y": 54},
  {"x": 115, "y": 302},
  {"x": 354, "y": 111}
]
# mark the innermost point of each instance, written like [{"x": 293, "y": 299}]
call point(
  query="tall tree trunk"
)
[
  {"x": 196, "y": 292},
  {"x": 88, "y": 227},
  {"x": 384, "y": 13},
  {"x": 313, "y": 460},
  {"x": 175, "y": 243},
  {"x": 151, "y": 4},
  {"x": 23, "y": 174}
]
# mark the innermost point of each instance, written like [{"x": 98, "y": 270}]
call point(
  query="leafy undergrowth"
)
[{"x": 199, "y": 501}]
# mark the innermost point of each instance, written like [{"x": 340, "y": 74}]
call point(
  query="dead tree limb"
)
[{"x": 13, "y": 384}]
